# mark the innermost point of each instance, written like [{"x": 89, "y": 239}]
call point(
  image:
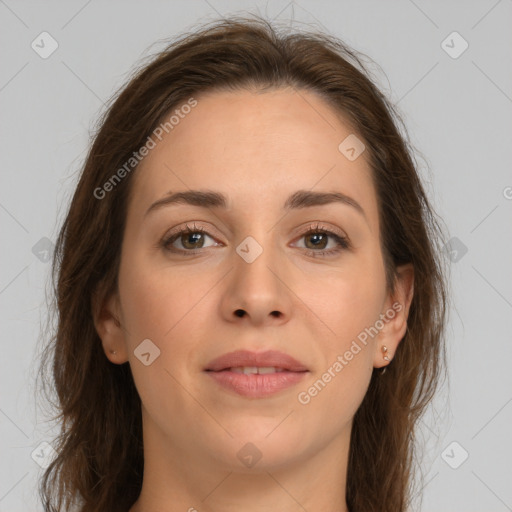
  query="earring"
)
[
  {"x": 386, "y": 358},
  {"x": 113, "y": 351}
]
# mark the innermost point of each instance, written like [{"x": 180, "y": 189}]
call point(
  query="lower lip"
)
[{"x": 255, "y": 385}]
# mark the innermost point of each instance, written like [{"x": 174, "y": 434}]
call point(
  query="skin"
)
[{"x": 257, "y": 149}]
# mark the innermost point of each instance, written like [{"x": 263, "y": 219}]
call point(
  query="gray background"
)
[{"x": 458, "y": 113}]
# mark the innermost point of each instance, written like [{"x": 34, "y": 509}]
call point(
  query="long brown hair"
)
[{"x": 99, "y": 463}]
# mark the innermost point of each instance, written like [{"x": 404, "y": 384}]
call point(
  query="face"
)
[{"x": 264, "y": 272}]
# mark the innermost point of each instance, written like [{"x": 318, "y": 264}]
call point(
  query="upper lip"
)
[{"x": 241, "y": 358}]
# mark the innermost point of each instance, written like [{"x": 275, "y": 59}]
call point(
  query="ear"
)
[
  {"x": 394, "y": 316},
  {"x": 107, "y": 319}
]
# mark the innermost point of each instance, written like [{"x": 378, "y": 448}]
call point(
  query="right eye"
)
[{"x": 189, "y": 237}]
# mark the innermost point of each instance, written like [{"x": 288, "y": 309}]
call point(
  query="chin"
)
[
  {"x": 260, "y": 446},
  {"x": 253, "y": 457}
]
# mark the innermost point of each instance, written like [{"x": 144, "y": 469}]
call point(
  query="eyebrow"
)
[{"x": 211, "y": 199}]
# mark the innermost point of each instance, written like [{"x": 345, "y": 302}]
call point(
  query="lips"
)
[
  {"x": 256, "y": 374},
  {"x": 244, "y": 361}
]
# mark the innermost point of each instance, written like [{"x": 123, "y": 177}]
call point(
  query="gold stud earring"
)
[{"x": 384, "y": 355}]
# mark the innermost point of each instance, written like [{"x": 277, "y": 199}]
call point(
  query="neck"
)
[{"x": 180, "y": 480}]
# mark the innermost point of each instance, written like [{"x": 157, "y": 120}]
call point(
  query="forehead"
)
[{"x": 255, "y": 148}]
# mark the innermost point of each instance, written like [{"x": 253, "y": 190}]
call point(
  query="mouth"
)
[
  {"x": 256, "y": 375},
  {"x": 254, "y": 370},
  {"x": 244, "y": 361}
]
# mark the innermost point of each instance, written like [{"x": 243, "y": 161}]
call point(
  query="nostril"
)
[{"x": 239, "y": 312}]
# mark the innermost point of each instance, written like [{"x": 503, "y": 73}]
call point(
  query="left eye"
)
[{"x": 319, "y": 239}]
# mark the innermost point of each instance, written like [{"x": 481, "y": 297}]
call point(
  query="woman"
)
[{"x": 250, "y": 291}]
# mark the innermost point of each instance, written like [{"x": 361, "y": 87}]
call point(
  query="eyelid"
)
[
  {"x": 187, "y": 227},
  {"x": 321, "y": 226}
]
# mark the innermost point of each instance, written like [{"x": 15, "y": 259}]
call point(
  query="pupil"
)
[
  {"x": 192, "y": 236},
  {"x": 317, "y": 236}
]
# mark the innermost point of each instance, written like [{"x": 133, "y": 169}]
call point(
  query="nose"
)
[{"x": 257, "y": 291}]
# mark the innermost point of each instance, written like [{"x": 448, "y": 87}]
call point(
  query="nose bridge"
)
[
  {"x": 256, "y": 285},
  {"x": 257, "y": 252}
]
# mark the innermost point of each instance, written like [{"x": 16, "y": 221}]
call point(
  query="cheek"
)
[
  {"x": 333, "y": 398},
  {"x": 351, "y": 309},
  {"x": 164, "y": 307},
  {"x": 171, "y": 307},
  {"x": 155, "y": 299},
  {"x": 347, "y": 301},
  {"x": 349, "y": 305}
]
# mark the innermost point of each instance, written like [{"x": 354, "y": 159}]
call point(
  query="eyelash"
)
[{"x": 343, "y": 243}]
